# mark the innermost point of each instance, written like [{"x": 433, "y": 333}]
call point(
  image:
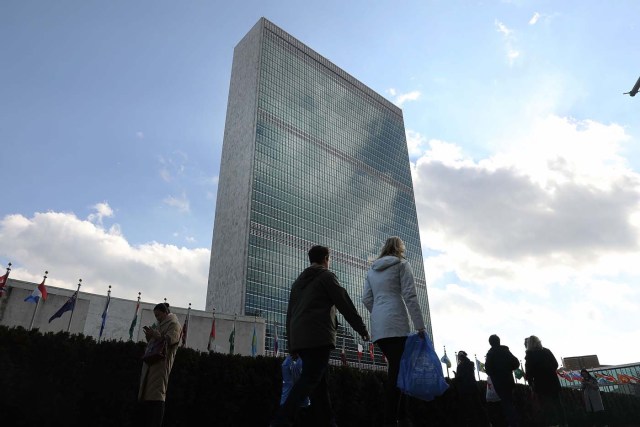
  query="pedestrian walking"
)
[{"x": 389, "y": 293}]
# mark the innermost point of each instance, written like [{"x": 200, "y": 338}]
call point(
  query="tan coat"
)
[{"x": 154, "y": 378}]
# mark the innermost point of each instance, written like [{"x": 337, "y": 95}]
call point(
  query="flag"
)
[
  {"x": 562, "y": 374},
  {"x": 343, "y": 357},
  {"x": 39, "y": 292},
  {"x": 371, "y": 351},
  {"x": 605, "y": 379},
  {"x": 185, "y": 330},
  {"x": 628, "y": 379},
  {"x": 276, "y": 347},
  {"x": 3, "y": 282},
  {"x": 445, "y": 359},
  {"x": 134, "y": 321},
  {"x": 480, "y": 366},
  {"x": 359, "y": 352},
  {"x": 575, "y": 375},
  {"x": 232, "y": 339},
  {"x": 67, "y": 306},
  {"x": 254, "y": 342},
  {"x": 518, "y": 373},
  {"x": 104, "y": 315},
  {"x": 212, "y": 334}
]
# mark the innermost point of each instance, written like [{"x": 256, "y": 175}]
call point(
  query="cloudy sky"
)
[{"x": 525, "y": 153}]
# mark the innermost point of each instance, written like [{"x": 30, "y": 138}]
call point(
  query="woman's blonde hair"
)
[
  {"x": 394, "y": 246},
  {"x": 534, "y": 343}
]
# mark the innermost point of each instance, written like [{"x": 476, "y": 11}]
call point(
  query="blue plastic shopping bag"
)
[{"x": 420, "y": 373}]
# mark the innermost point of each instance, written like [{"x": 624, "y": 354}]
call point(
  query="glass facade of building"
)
[
  {"x": 617, "y": 379},
  {"x": 330, "y": 167}
]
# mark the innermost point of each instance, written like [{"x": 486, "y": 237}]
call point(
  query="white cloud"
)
[
  {"x": 543, "y": 236},
  {"x": 400, "y": 99},
  {"x": 534, "y": 19},
  {"x": 503, "y": 29},
  {"x": 509, "y": 38},
  {"x": 165, "y": 175},
  {"x": 71, "y": 248},
  {"x": 140, "y": 135},
  {"x": 173, "y": 166},
  {"x": 416, "y": 143},
  {"x": 103, "y": 210},
  {"x": 181, "y": 203}
]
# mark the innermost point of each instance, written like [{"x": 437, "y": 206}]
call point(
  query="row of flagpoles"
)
[
  {"x": 40, "y": 293},
  {"x": 480, "y": 367}
]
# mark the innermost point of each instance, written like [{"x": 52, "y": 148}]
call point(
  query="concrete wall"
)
[
  {"x": 228, "y": 267},
  {"x": 87, "y": 318}
]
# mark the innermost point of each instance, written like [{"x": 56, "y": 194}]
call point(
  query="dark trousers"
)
[
  {"x": 508, "y": 407},
  {"x": 149, "y": 413},
  {"x": 395, "y": 405},
  {"x": 472, "y": 410},
  {"x": 551, "y": 410},
  {"x": 313, "y": 383}
]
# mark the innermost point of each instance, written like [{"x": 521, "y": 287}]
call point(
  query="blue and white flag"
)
[
  {"x": 254, "y": 342},
  {"x": 104, "y": 315},
  {"x": 67, "y": 306}
]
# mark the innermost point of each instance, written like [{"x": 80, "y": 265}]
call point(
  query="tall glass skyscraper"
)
[{"x": 310, "y": 156}]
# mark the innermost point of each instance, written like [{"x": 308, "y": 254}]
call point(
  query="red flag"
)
[
  {"x": 628, "y": 379},
  {"x": 37, "y": 293},
  {"x": 3, "y": 282},
  {"x": 607, "y": 378},
  {"x": 343, "y": 358},
  {"x": 185, "y": 330},
  {"x": 371, "y": 351},
  {"x": 212, "y": 335}
]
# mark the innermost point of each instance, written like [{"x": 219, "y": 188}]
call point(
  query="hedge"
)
[{"x": 71, "y": 380}]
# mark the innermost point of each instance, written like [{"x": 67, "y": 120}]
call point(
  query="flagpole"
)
[
  {"x": 74, "y": 305},
  {"x": 445, "y": 355},
  {"x": 135, "y": 317},
  {"x": 232, "y": 346},
  {"x": 186, "y": 333},
  {"x": 104, "y": 320},
  {"x": 255, "y": 321},
  {"x": 477, "y": 367},
  {"x": 3, "y": 288},
  {"x": 212, "y": 331},
  {"x": 276, "y": 344},
  {"x": 35, "y": 310},
  {"x": 455, "y": 357}
]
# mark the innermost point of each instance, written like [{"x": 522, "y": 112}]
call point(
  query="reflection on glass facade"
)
[{"x": 330, "y": 167}]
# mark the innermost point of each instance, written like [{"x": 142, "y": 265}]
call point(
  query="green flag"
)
[
  {"x": 232, "y": 339},
  {"x": 134, "y": 321}
]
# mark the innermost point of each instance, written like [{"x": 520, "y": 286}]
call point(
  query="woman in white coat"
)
[
  {"x": 389, "y": 292},
  {"x": 592, "y": 399}
]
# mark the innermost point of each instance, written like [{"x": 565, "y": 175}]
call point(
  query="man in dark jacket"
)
[
  {"x": 311, "y": 333},
  {"x": 499, "y": 365},
  {"x": 541, "y": 366},
  {"x": 471, "y": 407}
]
